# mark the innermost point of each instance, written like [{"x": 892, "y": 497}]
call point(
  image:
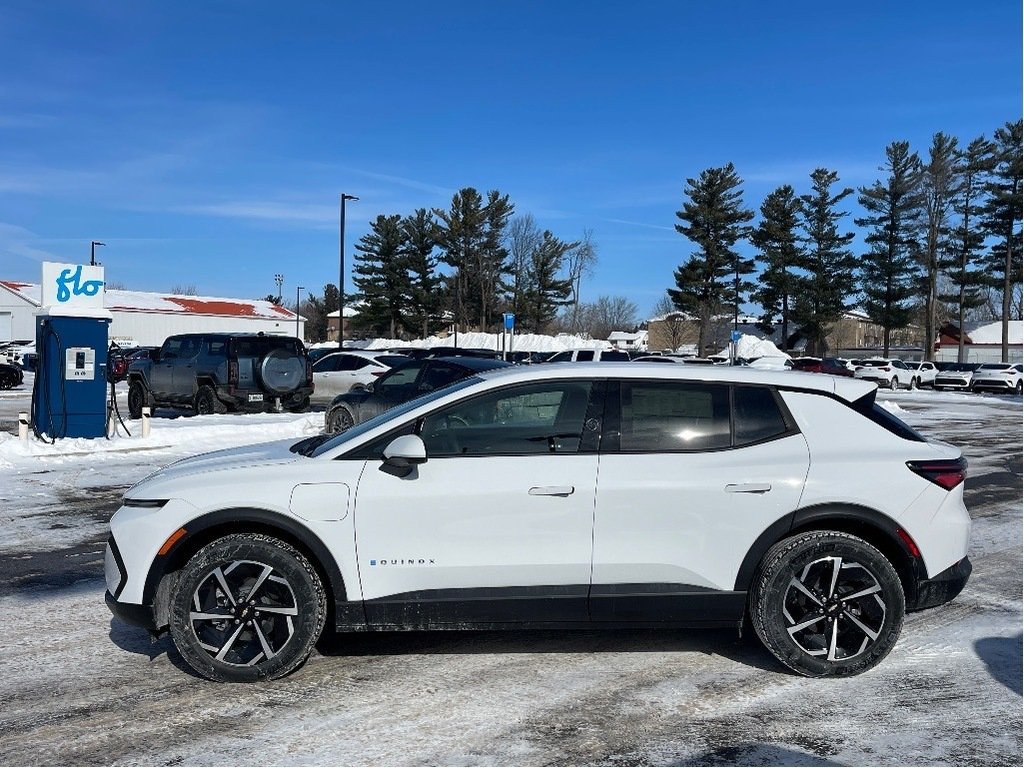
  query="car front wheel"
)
[
  {"x": 340, "y": 420},
  {"x": 137, "y": 399},
  {"x": 827, "y": 604},
  {"x": 247, "y": 607}
]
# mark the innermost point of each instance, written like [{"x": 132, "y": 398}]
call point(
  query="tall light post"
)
[
  {"x": 341, "y": 271},
  {"x": 92, "y": 252},
  {"x": 297, "y": 289},
  {"x": 279, "y": 279}
]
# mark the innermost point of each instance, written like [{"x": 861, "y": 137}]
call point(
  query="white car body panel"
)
[
  {"x": 924, "y": 371},
  {"x": 328, "y": 384},
  {"x": 485, "y": 527},
  {"x": 1005, "y": 379},
  {"x": 883, "y": 375},
  {"x": 663, "y": 518}
]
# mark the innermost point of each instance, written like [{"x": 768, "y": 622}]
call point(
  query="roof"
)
[
  {"x": 848, "y": 389},
  {"x": 992, "y": 333},
  {"x": 166, "y": 303}
]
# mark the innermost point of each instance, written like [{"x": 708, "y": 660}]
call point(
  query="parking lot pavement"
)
[{"x": 79, "y": 687}]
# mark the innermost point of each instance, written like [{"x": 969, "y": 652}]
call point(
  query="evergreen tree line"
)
[
  {"x": 940, "y": 234},
  {"x": 467, "y": 264}
]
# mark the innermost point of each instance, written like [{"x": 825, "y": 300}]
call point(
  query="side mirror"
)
[{"x": 403, "y": 454}]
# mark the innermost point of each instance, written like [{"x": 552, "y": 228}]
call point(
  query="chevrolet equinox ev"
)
[{"x": 559, "y": 496}]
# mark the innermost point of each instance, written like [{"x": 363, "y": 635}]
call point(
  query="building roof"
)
[
  {"x": 992, "y": 333},
  {"x": 161, "y": 303}
]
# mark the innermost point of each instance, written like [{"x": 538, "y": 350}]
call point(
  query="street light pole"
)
[
  {"x": 341, "y": 271},
  {"x": 297, "y": 289},
  {"x": 279, "y": 279},
  {"x": 92, "y": 252}
]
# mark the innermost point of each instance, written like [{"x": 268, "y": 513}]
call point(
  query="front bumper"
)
[
  {"x": 943, "y": 588},
  {"x": 136, "y": 615},
  {"x": 951, "y": 383}
]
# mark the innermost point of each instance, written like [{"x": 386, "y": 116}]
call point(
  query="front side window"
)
[
  {"x": 561, "y": 357},
  {"x": 527, "y": 419},
  {"x": 171, "y": 349},
  {"x": 673, "y": 416}
]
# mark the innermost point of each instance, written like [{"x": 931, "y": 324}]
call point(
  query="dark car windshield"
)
[{"x": 308, "y": 448}]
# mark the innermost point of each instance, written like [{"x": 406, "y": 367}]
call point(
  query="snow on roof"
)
[
  {"x": 626, "y": 336},
  {"x": 349, "y": 312},
  {"x": 140, "y": 301},
  {"x": 992, "y": 333}
]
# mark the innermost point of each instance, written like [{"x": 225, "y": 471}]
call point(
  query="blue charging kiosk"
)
[{"x": 69, "y": 397}]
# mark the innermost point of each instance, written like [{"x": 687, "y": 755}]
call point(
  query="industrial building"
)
[{"x": 146, "y": 319}]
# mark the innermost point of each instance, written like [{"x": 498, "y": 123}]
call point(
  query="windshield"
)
[{"x": 312, "y": 448}]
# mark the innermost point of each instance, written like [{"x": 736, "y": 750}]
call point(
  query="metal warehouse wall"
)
[
  {"x": 151, "y": 328},
  {"x": 17, "y": 317}
]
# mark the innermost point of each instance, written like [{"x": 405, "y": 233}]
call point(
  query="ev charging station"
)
[{"x": 69, "y": 397}]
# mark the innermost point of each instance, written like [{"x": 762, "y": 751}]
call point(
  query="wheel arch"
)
[
  {"x": 876, "y": 528},
  {"x": 214, "y": 525}
]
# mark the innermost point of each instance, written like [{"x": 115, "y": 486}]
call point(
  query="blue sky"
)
[{"x": 206, "y": 142}]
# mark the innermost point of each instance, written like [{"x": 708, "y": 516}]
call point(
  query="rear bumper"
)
[
  {"x": 239, "y": 398},
  {"x": 996, "y": 385},
  {"x": 943, "y": 588}
]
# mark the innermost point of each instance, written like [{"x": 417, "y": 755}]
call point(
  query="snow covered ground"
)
[{"x": 78, "y": 687}]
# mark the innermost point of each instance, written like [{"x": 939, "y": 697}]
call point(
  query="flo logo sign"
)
[{"x": 72, "y": 285}]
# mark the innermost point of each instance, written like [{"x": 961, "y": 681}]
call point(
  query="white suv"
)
[
  {"x": 891, "y": 373},
  {"x": 722, "y": 494}
]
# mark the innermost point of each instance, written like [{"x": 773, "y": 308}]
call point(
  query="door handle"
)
[
  {"x": 748, "y": 487},
  {"x": 552, "y": 490}
]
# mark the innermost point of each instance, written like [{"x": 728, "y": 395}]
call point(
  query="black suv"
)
[{"x": 218, "y": 372}]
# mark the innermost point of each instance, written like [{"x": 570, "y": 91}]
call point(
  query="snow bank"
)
[
  {"x": 524, "y": 342},
  {"x": 750, "y": 346},
  {"x": 197, "y": 435}
]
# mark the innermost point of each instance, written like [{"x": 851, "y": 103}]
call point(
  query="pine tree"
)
[
  {"x": 890, "y": 268},
  {"x": 827, "y": 262},
  {"x": 938, "y": 191},
  {"x": 461, "y": 236},
  {"x": 1002, "y": 216},
  {"x": 715, "y": 221},
  {"x": 426, "y": 297},
  {"x": 779, "y": 251},
  {"x": 962, "y": 261},
  {"x": 493, "y": 264},
  {"x": 546, "y": 291},
  {"x": 381, "y": 276}
]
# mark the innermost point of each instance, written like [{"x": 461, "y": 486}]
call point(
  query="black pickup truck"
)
[{"x": 221, "y": 372}]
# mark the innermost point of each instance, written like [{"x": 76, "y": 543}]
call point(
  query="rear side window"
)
[
  {"x": 866, "y": 406},
  {"x": 757, "y": 415},
  {"x": 671, "y": 416},
  {"x": 258, "y": 346}
]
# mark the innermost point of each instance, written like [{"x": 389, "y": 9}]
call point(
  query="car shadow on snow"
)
[
  {"x": 1003, "y": 658},
  {"x": 720, "y": 642},
  {"x": 138, "y": 641},
  {"x": 757, "y": 754}
]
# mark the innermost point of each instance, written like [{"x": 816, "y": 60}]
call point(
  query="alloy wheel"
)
[
  {"x": 834, "y": 609},
  {"x": 242, "y": 613}
]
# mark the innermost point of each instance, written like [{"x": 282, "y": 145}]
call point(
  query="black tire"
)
[
  {"x": 339, "y": 419},
  {"x": 8, "y": 380},
  {"x": 206, "y": 402},
  {"x": 835, "y": 636},
  {"x": 894, "y": 384},
  {"x": 138, "y": 398},
  {"x": 300, "y": 407},
  {"x": 274, "y": 609},
  {"x": 914, "y": 383},
  {"x": 1019, "y": 389}
]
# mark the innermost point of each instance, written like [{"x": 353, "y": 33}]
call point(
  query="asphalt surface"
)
[{"x": 80, "y": 688}]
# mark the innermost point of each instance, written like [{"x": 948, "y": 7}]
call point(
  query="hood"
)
[{"x": 261, "y": 454}]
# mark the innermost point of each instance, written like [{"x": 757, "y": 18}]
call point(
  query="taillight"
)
[
  {"x": 378, "y": 373},
  {"x": 309, "y": 372},
  {"x": 233, "y": 372},
  {"x": 947, "y": 473}
]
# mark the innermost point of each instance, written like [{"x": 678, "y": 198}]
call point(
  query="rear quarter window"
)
[{"x": 757, "y": 415}]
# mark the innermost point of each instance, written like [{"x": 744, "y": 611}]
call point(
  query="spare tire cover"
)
[{"x": 282, "y": 371}]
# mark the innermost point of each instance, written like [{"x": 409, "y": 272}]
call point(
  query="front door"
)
[{"x": 496, "y": 527}]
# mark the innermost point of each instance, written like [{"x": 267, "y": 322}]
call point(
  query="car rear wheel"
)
[
  {"x": 206, "y": 402},
  {"x": 894, "y": 384},
  {"x": 914, "y": 383},
  {"x": 1019, "y": 389},
  {"x": 827, "y": 604},
  {"x": 247, "y": 607},
  {"x": 8, "y": 380}
]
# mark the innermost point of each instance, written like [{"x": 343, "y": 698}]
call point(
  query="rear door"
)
[{"x": 691, "y": 473}]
